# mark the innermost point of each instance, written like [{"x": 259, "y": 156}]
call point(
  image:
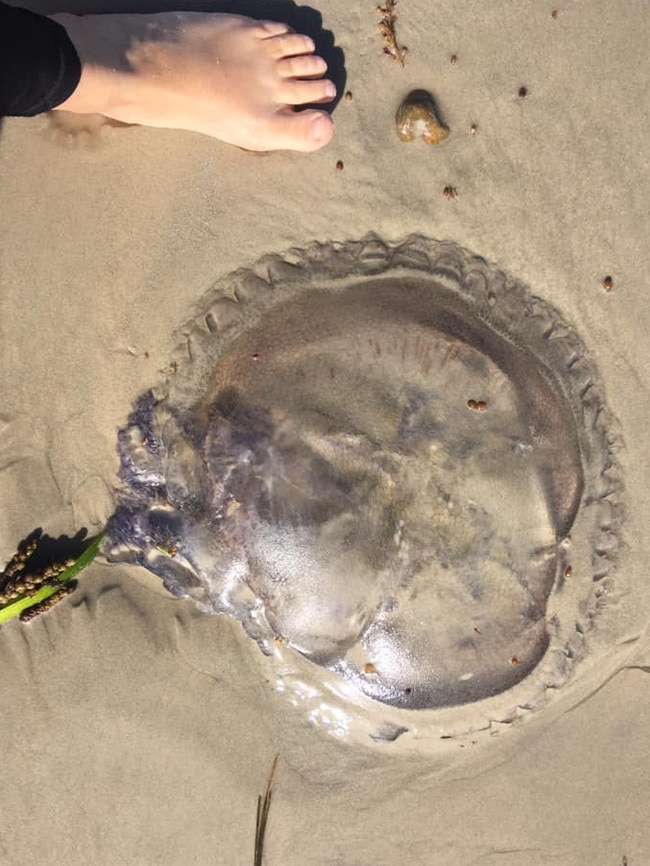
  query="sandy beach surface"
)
[{"x": 136, "y": 730}]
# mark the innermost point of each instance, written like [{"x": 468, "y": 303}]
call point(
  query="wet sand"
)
[{"x": 137, "y": 730}]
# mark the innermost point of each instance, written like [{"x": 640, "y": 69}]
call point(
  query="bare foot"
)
[{"x": 229, "y": 77}]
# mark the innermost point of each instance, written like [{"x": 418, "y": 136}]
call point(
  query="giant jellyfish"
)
[{"x": 393, "y": 461}]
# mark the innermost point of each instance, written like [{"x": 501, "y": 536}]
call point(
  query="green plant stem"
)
[{"x": 83, "y": 560}]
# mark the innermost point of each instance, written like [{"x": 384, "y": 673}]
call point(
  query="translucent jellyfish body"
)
[{"x": 390, "y": 460}]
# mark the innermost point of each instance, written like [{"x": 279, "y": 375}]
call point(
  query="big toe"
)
[{"x": 300, "y": 130}]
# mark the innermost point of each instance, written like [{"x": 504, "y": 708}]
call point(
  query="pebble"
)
[{"x": 417, "y": 118}]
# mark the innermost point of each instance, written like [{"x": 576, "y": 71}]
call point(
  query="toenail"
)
[
  {"x": 318, "y": 128},
  {"x": 330, "y": 89}
]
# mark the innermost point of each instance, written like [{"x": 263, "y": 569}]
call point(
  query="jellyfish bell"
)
[{"x": 373, "y": 456}]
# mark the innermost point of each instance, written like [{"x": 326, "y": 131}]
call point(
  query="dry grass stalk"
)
[{"x": 263, "y": 807}]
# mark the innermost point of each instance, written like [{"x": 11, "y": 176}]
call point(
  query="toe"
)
[
  {"x": 274, "y": 28},
  {"x": 304, "y": 66},
  {"x": 290, "y": 45},
  {"x": 300, "y": 130},
  {"x": 296, "y": 92}
]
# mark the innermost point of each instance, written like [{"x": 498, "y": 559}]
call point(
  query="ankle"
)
[{"x": 101, "y": 88}]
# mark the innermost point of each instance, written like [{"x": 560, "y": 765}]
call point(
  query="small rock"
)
[{"x": 417, "y": 118}]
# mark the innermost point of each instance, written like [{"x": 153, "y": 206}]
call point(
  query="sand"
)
[{"x": 136, "y": 730}]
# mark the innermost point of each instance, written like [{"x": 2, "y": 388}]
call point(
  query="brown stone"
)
[{"x": 417, "y": 118}]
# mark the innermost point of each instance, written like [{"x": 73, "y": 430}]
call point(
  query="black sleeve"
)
[{"x": 39, "y": 67}]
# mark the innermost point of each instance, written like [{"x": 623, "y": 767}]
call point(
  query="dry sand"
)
[{"x": 135, "y": 730}]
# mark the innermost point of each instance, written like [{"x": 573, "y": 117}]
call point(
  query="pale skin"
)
[{"x": 227, "y": 76}]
